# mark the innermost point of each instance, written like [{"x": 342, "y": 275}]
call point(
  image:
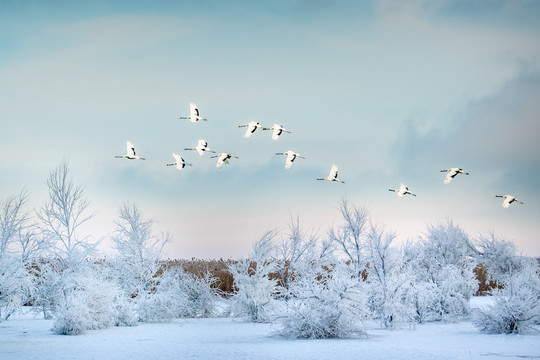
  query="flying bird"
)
[
  {"x": 223, "y": 158},
  {"x": 251, "y": 127},
  {"x": 291, "y": 156},
  {"x": 130, "y": 152},
  {"x": 277, "y": 131},
  {"x": 201, "y": 148},
  {"x": 452, "y": 173},
  {"x": 333, "y": 175},
  {"x": 194, "y": 115},
  {"x": 179, "y": 162},
  {"x": 403, "y": 190},
  {"x": 508, "y": 199}
]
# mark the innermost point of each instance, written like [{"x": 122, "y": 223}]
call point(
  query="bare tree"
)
[
  {"x": 63, "y": 214},
  {"x": 292, "y": 250},
  {"x": 13, "y": 219},
  {"x": 350, "y": 237}
]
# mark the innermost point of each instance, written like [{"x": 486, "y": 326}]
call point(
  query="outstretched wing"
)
[
  {"x": 333, "y": 172},
  {"x": 130, "y": 148},
  {"x": 193, "y": 110}
]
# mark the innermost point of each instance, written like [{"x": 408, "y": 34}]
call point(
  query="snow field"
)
[{"x": 224, "y": 338}]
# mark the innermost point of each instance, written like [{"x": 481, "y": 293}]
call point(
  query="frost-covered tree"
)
[
  {"x": 178, "y": 294},
  {"x": 499, "y": 256},
  {"x": 93, "y": 302},
  {"x": 445, "y": 281},
  {"x": 389, "y": 279},
  {"x": 13, "y": 220},
  {"x": 61, "y": 217},
  {"x": 16, "y": 247},
  {"x": 15, "y": 285},
  {"x": 516, "y": 306},
  {"x": 137, "y": 266},
  {"x": 63, "y": 282},
  {"x": 255, "y": 289},
  {"x": 139, "y": 250},
  {"x": 201, "y": 296},
  {"x": 327, "y": 300},
  {"x": 350, "y": 236},
  {"x": 292, "y": 251}
]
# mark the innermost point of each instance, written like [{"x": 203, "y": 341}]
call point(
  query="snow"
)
[{"x": 25, "y": 337}]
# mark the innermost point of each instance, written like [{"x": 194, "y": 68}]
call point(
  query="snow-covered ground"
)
[{"x": 24, "y": 337}]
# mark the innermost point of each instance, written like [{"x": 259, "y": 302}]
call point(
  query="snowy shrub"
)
[
  {"x": 73, "y": 318},
  {"x": 446, "y": 295},
  {"x": 15, "y": 286},
  {"x": 326, "y": 302},
  {"x": 125, "y": 311},
  {"x": 200, "y": 300},
  {"x": 156, "y": 307},
  {"x": 138, "y": 249},
  {"x": 255, "y": 289},
  {"x": 89, "y": 303},
  {"x": 293, "y": 251},
  {"x": 445, "y": 279},
  {"x": 48, "y": 285},
  {"x": 165, "y": 302},
  {"x": 499, "y": 256},
  {"x": 389, "y": 280},
  {"x": 517, "y": 304}
]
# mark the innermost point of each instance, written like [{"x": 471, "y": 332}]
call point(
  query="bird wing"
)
[
  {"x": 130, "y": 148},
  {"x": 193, "y": 110},
  {"x": 333, "y": 172}
]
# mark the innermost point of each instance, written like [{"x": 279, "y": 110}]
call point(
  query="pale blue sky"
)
[{"x": 390, "y": 91}]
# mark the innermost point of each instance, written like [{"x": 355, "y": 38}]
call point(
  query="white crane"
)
[
  {"x": 201, "y": 148},
  {"x": 130, "y": 153},
  {"x": 403, "y": 190},
  {"x": 452, "y": 173},
  {"x": 251, "y": 127},
  {"x": 333, "y": 175},
  {"x": 277, "y": 131},
  {"x": 194, "y": 115},
  {"x": 179, "y": 162},
  {"x": 508, "y": 199},
  {"x": 223, "y": 158},
  {"x": 291, "y": 156}
]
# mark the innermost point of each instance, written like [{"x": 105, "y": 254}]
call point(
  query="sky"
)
[{"x": 390, "y": 91}]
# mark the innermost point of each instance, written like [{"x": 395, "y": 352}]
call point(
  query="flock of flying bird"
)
[{"x": 277, "y": 130}]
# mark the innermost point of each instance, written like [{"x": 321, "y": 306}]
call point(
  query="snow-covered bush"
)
[
  {"x": 125, "y": 310},
  {"x": 178, "y": 294},
  {"x": 89, "y": 303},
  {"x": 325, "y": 301},
  {"x": 159, "y": 306},
  {"x": 444, "y": 265},
  {"x": 389, "y": 279},
  {"x": 201, "y": 297},
  {"x": 293, "y": 251},
  {"x": 137, "y": 266},
  {"x": 499, "y": 256},
  {"x": 368, "y": 249},
  {"x": 254, "y": 297},
  {"x": 17, "y": 245},
  {"x": 49, "y": 281},
  {"x": 15, "y": 285},
  {"x": 517, "y": 304}
]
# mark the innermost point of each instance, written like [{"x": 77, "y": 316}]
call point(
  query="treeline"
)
[
  {"x": 219, "y": 269},
  {"x": 310, "y": 284}
]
